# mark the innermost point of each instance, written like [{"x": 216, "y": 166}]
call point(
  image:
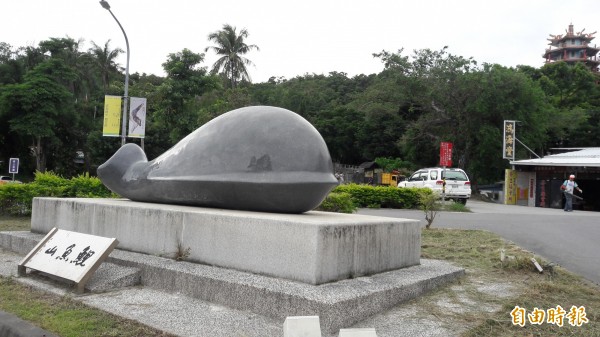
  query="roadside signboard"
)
[
  {"x": 70, "y": 255},
  {"x": 446, "y": 154},
  {"x": 508, "y": 148},
  {"x": 13, "y": 165}
]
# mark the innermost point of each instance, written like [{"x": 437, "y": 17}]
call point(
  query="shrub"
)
[
  {"x": 383, "y": 196},
  {"x": 84, "y": 186},
  {"x": 17, "y": 199},
  {"x": 338, "y": 202},
  {"x": 50, "y": 179}
]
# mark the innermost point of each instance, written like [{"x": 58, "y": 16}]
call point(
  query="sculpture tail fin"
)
[{"x": 113, "y": 173}]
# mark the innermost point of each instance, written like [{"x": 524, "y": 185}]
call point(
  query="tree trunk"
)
[{"x": 40, "y": 156}]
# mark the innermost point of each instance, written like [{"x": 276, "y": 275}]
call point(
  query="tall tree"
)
[
  {"x": 11, "y": 69},
  {"x": 104, "y": 59},
  {"x": 178, "y": 112},
  {"x": 39, "y": 108},
  {"x": 67, "y": 49},
  {"x": 574, "y": 91},
  {"x": 6, "y": 52},
  {"x": 86, "y": 88},
  {"x": 231, "y": 47}
]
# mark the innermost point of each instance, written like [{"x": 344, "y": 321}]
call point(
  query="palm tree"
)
[
  {"x": 231, "y": 46},
  {"x": 105, "y": 60}
]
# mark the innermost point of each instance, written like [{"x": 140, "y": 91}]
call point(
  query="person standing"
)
[{"x": 568, "y": 187}]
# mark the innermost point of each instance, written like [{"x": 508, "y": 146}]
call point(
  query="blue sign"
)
[{"x": 13, "y": 166}]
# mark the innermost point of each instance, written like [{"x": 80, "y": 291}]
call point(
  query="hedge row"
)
[
  {"x": 16, "y": 199},
  {"x": 383, "y": 196}
]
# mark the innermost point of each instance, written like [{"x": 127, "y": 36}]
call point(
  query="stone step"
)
[
  {"x": 112, "y": 276},
  {"x": 338, "y": 304}
]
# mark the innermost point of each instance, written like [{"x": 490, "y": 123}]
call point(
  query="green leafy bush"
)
[
  {"x": 51, "y": 180},
  {"x": 383, "y": 196},
  {"x": 338, "y": 202},
  {"x": 84, "y": 186},
  {"x": 17, "y": 199}
]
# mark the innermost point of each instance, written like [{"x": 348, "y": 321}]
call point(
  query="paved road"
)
[{"x": 569, "y": 239}]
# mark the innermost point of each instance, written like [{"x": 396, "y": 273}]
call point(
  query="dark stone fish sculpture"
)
[{"x": 258, "y": 158}]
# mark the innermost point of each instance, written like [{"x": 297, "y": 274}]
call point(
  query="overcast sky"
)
[{"x": 308, "y": 36}]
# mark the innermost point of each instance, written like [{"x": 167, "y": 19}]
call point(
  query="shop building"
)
[{"x": 536, "y": 182}]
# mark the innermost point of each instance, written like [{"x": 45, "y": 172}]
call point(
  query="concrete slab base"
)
[
  {"x": 338, "y": 304},
  {"x": 313, "y": 247}
]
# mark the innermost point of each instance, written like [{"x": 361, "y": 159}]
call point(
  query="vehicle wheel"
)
[{"x": 462, "y": 201}]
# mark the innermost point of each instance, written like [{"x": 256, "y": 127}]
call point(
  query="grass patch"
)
[
  {"x": 456, "y": 207},
  {"x": 479, "y": 253},
  {"x": 62, "y": 315},
  {"x": 65, "y": 316},
  {"x": 14, "y": 223}
]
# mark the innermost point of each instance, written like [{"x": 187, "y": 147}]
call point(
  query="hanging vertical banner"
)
[
  {"x": 137, "y": 117},
  {"x": 112, "y": 116},
  {"x": 446, "y": 154},
  {"x": 508, "y": 147},
  {"x": 510, "y": 187}
]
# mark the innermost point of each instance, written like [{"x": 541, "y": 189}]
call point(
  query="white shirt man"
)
[{"x": 568, "y": 187}]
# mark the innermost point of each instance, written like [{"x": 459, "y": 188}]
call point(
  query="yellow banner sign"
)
[
  {"x": 510, "y": 187},
  {"x": 112, "y": 116}
]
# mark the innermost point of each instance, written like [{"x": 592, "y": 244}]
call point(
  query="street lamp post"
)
[{"x": 106, "y": 6}]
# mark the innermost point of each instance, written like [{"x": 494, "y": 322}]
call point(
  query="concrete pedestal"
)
[
  {"x": 337, "y": 304},
  {"x": 313, "y": 248}
]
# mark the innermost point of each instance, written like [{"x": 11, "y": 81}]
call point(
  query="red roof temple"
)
[{"x": 573, "y": 47}]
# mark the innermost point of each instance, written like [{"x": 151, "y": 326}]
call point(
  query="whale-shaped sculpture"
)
[{"x": 258, "y": 158}]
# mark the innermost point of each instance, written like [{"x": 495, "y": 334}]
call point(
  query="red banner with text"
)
[{"x": 446, "y": 154}]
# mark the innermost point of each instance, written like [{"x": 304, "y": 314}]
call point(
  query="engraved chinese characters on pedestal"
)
[
  {"x": 85, "y": 254},
  {"x": 256, "y": 158}
]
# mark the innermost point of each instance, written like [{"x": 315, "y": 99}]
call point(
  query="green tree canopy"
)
[
  {"x": 178, "y": 111},
  {"x": 36, "y": 108}
]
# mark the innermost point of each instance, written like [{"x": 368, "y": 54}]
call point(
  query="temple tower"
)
[{"x": 573, "y": 47}]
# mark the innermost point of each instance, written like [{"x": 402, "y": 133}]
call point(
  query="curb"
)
[{"x": 13, "y": 326}]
